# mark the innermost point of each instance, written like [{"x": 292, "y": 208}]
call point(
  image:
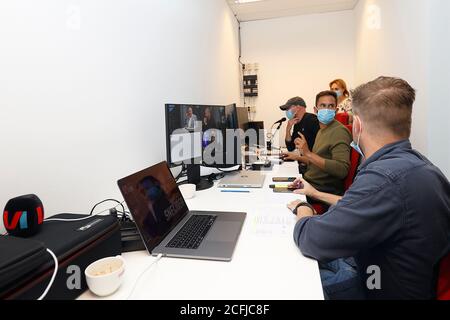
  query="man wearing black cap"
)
[{"x": 303, "y": 122}]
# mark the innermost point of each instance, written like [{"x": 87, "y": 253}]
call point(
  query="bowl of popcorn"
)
[{"x": 104, "y": 276}]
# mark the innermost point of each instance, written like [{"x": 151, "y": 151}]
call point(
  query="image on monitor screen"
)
[{"x": 196, "y": 134}]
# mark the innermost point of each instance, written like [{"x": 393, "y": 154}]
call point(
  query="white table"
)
[{"x": 266, "y": 264}]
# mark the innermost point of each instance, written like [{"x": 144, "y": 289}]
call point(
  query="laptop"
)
[
  {"x": 243, "y": 179},
  {"x": 167, "y": 226}
]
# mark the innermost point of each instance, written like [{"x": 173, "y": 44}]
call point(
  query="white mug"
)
[
  {"x": 104, "y": 276},
  {"x": 188, "y": 190}
]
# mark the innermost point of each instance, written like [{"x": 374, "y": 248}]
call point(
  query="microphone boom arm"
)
[{"x": 280, "y": 123}]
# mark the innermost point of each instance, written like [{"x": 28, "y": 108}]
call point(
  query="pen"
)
[{"x": 235, "y": 191}]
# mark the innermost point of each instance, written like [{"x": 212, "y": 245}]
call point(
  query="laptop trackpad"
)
[{"x": 223, "y": 231}]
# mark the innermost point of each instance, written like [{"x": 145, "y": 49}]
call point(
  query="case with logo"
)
[{"x": 76, "y": 245}]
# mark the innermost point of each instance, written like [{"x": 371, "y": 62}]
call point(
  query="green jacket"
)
[{"x": 333, "y": 144}]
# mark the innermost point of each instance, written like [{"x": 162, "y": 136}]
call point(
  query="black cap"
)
[{"x": 297, "y": 101}]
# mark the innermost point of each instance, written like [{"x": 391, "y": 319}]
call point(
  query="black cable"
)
[
  {"x": 240, "y": 43},
  {"x": 180, "y": 176},
  {"x": 114, "y": 200},
  {"x": 182, "y": 173},
  {"x": 125, "y": 216},
  {"x": 204, "y": 164},
  {"x": 240, "y": 55},
  {"x": 216, "y": 176},
  {"x": 229, "y": 171}
]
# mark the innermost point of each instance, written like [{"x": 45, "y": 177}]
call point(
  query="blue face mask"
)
[
  {"x": 339, "y": 93},
  {"x": 355, "y": 145},
  {"x": 290, "y": 114},
  {"x": 326, "y": 116}
]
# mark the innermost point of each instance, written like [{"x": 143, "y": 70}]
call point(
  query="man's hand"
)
[
  {"x": 302, "y": 212},
  {"x": 297, "y": 184},
  {"x": 290, "y": 156},
  {"x": 302, "y": 145},
  {"x": 292, "y": 123},
  {"x": 293, "y": 204},
  {"x": 304, "y": 188}
]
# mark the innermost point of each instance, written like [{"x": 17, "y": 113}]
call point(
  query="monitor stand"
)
[{"x": 194, "y": 177}]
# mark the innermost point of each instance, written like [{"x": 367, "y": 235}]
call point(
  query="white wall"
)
[
  {"x": 298, "y": 56},
  {"x": 409, "y": 39},
  {"x": 439, "y": 85},
  {"x": 402, "y": 38},
  {"x": 82, "y": 95},
  {"x": 391, "y": 40}
]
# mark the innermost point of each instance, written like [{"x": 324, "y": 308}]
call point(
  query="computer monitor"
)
[
  {"x": 258, "y": 127},
  {"x": 232, "y": 139},
  {"x": 196, "y": 135},
  {"x": 184, "y": 139},
  {"x": 242, "y": 115}
]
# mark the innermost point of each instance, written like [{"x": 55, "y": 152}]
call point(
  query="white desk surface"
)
[{"x": 266, "y": 264}]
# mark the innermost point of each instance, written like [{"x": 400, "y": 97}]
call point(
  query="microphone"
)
[
  {"x": 23, "y": 216},
  {"x": 280, "y": 121}
]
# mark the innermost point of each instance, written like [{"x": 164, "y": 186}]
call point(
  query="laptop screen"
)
[{"x": 155, "y": 202}]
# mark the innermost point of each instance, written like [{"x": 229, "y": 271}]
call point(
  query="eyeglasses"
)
[{"x": 326, "y": 106}]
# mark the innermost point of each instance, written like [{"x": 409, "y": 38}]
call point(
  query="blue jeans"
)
[{"x": 340, "y": 280}]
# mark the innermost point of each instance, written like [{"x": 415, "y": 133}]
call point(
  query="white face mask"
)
[{"x": 355, "y": 145}]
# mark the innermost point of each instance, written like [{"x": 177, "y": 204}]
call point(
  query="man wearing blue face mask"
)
[
  {"x": 395, "y": 218},
  {"x": 328, "y": 162},
  {"x": 299, "y": 122}
]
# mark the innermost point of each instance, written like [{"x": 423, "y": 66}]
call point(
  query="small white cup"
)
[
  {"x": 104, "y": 276},
  {"x": 188, "y": 190}
]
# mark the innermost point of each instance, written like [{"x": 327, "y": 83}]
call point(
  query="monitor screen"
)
[
  {"x": 196, "y": 134},
  {"x": 258, "y": 128},
  {"x": 242, "y": 115},
  {"x": 155, "y": 202},
  {"x": 185, "y": 146}
]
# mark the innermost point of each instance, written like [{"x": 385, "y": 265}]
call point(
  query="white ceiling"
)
[{"x": 268, "y": 9}]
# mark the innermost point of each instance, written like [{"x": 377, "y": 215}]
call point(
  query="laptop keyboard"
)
[{"x": 192, "y": 233}]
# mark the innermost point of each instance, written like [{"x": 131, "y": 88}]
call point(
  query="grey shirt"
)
[{"x": 395, "y": 216}]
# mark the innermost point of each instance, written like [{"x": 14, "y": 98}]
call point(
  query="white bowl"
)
[
  {"x": 104, "y": 276},
  {"x": 188, "y": 190}
]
